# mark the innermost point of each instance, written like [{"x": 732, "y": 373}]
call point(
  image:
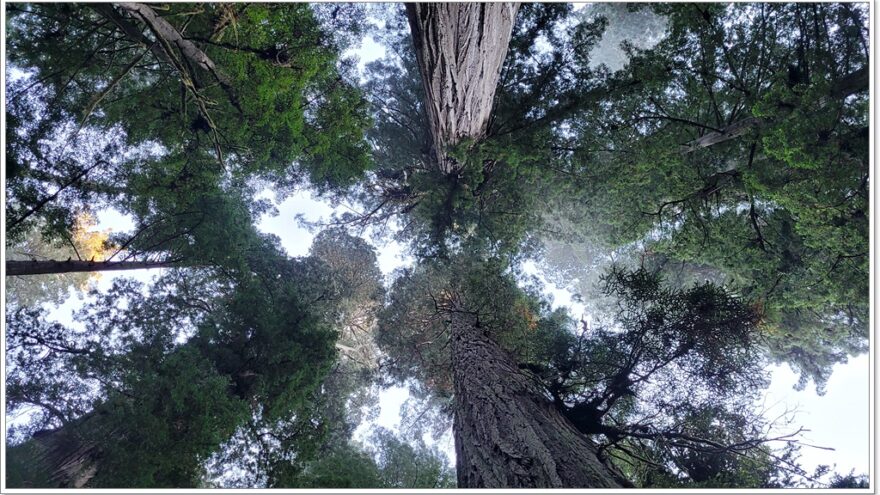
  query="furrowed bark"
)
[
  {"x": 460, "y": 49},
  {"x": 508, "y": 434},
  {"x": 847, "y": 85},
  {"x": 17, "y": 267},
  {"x": 64, "y": 457}
]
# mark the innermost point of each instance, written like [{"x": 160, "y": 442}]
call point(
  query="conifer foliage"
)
[{"x": 703, "y": 186}]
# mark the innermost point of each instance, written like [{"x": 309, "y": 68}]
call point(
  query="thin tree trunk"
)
[
  {"x": 460, "y": 48},
  {"x": 131, "y": 31},
  {"x": 18, "y": 267},
  {"x": 508, "y": 434},
  {"x": 732, "y": 131}
]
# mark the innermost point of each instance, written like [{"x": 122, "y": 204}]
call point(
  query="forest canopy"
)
[{"x": 695, "y": 176}]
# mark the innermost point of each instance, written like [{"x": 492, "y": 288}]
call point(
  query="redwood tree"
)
[{"x": 507, "y": 433}]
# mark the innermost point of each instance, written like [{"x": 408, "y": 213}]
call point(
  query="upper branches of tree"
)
[
  {"x": 772, "y": 98},
  {"x": 225, "y": 95}
]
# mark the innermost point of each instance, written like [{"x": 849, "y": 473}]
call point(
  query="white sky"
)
[{"x": 840, "y": 419}]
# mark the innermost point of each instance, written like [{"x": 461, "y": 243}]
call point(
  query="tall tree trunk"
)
[
  {"x": 18, "y": 267},
  {"x": 508, "y": 434},
  {"x": 460, "y": 48},
  {"x": 65, "y": 457}
]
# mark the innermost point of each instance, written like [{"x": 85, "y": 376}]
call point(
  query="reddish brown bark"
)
[
  {"x": 508, "y": 434},
  {"x": 460, "y": 48}
]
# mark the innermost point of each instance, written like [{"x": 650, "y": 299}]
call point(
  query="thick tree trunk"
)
[
  {"x": 16, "y": 267},
  {"x": 59, "y": 458},
  {"x": 460, "y": 48},
  {"x": 508, "y": 434}
]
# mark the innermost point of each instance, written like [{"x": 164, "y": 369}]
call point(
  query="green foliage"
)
[
  {"x": 35, "y": 290},
  {"x": 488, "y": 197},
  {"x": 489, "y": 205},
  {"x": 227, "y": 372},
  {"x": 273, "y": 104},
  {"x": 283, "y": 100},
  {"x": 180, "y": 412},
  {"x": 21, "y": 471},
  {"x": 674, "y": 467},
  {"x": 669, "y": 383},
  {"x": 850, "y": 480},
  {"x": 170, "y": 374},
  {"x": 658, "y": 335},
  {"x": 344, "y": 467},
  {"x": 653, "y": 382},
  {"x": 781, "y": 208},
  {"x": 390, "y": 462}
]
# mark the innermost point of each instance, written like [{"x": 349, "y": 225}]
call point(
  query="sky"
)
[{"x": 839, "y": 419}]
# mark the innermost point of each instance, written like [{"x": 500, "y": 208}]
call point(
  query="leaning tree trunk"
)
[
  {"x": 65, "y": 457},
  {"x": 19, "y": 267},
  {"x": 507, "y": 433},
  {"x": 460, "y": 49},
  {"x": 850, "y": 84}
]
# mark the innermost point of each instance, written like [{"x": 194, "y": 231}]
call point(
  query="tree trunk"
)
[
  {"x": 131, "y": 31},
  {"x": 17, "y": 267},
  {"x": 170, "y": 36},
  {"x": 460, "y": 48},
  {"x": 60, "y": 458},
  {"x": 508, "y": 434}
]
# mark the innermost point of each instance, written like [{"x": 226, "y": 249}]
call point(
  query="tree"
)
[
  {"x": 185, "y": 193},
  {"x": 390, "y": 463},
  {"x": 458, "y": 43},
  {"x": 663, "y": 394},
  {"x": 446, "y": 325},
  {"x": 257, "y": 342},
  {"x": 785, "y": 194},
  {"x": 265, "y": 104},
  {"x": 731, "y": 149},
  {"x": 478, "y": 193},
  {"x": 472, "y": 355},
  {"x": 275, "y": 453}
]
